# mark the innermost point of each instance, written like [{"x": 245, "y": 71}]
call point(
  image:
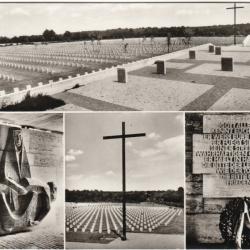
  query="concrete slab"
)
[
  {"x": 189, "y": 85},
  {"x": 136, "y": 241},
  {"x": 175, "y": 65},
  {"x": 70, "y": 107},
  {"x": 240, "y": 71},
  {"x": 143, "y": 93},
  {"x": 235, "y": 100},
  {"x": 239, "y": 54}
]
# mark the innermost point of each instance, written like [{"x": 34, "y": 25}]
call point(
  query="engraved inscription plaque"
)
[{"x": 222, "y": 154}]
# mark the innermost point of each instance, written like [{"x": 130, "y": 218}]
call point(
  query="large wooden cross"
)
[
  {"x": 234, "y": 8},
  {"x": 123, "y": 136}
]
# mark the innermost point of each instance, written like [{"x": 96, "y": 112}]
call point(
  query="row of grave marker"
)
[
  {"x": 106, "y": 218},
  {"x": 226, "y": 62},
  {"x": 161, "y": 65}
]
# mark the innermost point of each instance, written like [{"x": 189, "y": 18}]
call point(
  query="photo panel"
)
[
  {"x": 217, "y": 180},
  {"x": 124, "y": 180},
  {"x": 124, "y": 56},
  {"x": 31, "y": 181}
]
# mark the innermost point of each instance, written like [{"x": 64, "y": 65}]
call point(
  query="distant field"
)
[
  {"x": 104, "y": 220},
  {"x": 30, "y": 64}
]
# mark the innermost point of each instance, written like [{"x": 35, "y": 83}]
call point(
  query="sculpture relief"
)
[{"x": 24, "y": 201}]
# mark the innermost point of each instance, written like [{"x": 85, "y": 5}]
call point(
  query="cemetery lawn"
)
[{"x": 176, "y": 226}]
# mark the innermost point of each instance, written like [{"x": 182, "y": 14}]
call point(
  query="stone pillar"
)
[
  {"x": 191, "y": 54},
  {"x": 122, "y": 75},
  {"x": 161, "y": 67},
  {"x": 211, "y": 48},
  {"x": 227, "y": 64},
  {"x": 217, "y": 50}
]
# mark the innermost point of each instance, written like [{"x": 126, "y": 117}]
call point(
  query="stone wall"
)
[
  {"x": 202, "y": 214},
  {"x": 45, "y": 155}
]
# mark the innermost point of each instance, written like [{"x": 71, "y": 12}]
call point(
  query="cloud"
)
[
  {"x": 153, "y": 136},
  {"x": 69, "y": 158},
  {"x": 74, "y": 178},
  {"x": 75, "y": 152},
  {"x": 192, "y": 12},
  {"x": 75, "y": 14},
  {"x": 19, "y": 11},
  {"x": 167, "y": 146},
  {"x": 110, "y": 173},
  {"x": 72, "y": 153}
]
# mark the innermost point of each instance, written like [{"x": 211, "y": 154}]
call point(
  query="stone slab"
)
[
  {"x": 214, "y": 206},
  {"x": 70, "y": 107},
  {"x": 226, "y": 123},
  {"x": 204, "y": 228},
  {"x": 235, "y": 99},
  {"x": 215, "y": 187},
  {"x": 143, "y": 93},
  {"x": 240, "y": 71}
]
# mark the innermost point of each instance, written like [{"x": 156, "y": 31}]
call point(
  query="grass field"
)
[{"x": 102, "y": 222}]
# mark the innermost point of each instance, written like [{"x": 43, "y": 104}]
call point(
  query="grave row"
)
[
  {"x": 106, "y": 218},
  {"x": 226, "y": 62},
  {"x": 56, "y": 61},
  {"x": 7, "y": 78},
  {"x": 26, "y": 67}
]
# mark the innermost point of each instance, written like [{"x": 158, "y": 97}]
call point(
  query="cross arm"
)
[
  {"x": 123, "y": 136},
  {"x": 232, "y": 8}
]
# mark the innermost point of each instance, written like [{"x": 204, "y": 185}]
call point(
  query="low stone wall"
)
[{"x": 61, "y": 85}]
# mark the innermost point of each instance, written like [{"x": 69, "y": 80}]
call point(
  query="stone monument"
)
[{"x": 24, "y": 201}]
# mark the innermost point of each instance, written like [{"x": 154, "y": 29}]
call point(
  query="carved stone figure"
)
[{"x": 24, "y": 201}]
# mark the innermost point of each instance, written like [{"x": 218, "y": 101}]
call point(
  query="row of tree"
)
[
  {"x": 51, "y": 36},
  {"x": 175, "y": 197}
]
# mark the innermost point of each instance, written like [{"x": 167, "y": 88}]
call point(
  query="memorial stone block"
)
[
  {"x": 161, "y": 67},
  {"x": 211, "y": 48},
  {"x": 191, "y": 54},
  {"x": 217, "y": 50},
  {"x": 227, "y": 64},
  {"x": 122, "y": 75}
]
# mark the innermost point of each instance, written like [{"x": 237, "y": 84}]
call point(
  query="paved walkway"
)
[
  {"x": 188, "y": 85},
  {"x": 89, "y": 103},
  {"x": 44, "y": 238},
  {"x": 136, "y": 241}
]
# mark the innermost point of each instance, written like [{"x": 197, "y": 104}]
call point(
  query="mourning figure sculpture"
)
[{"x": 24, "y": 201}]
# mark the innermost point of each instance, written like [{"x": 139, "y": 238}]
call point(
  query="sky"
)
[
  {"x": 154, "y": 162},
  {"x": 25, "y": 19}
]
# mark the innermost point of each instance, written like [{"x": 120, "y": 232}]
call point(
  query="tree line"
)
[
  {"x": 169, "y": 197},
  {"x": 67, "y": 36}
]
